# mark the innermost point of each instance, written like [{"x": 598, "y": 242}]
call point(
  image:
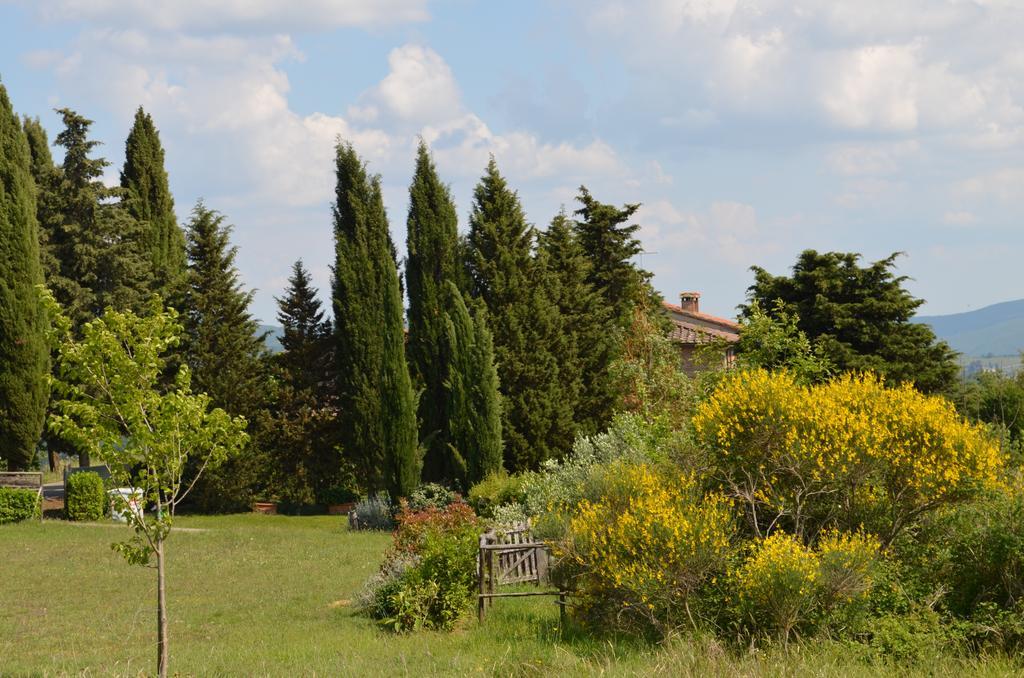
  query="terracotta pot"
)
[
  {"x": 265, "y": 507},
  {"x": 340, "y": 509}
]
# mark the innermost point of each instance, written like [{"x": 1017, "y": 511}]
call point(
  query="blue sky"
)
[{"x": 748, "y": 129}]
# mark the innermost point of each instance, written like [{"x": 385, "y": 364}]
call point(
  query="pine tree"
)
[
  {"x": 24, "y": 349},
  {"x": 47, "y": 177},
  {"x": 589, "y": 337},
  {"x": 504, "y": 274},
  {"x": 306, "y": 335},
  {"x": 148, "y": 199},
  {"x": 610, "y": 245},
  {"x": 95, "y": 242},
  {"x": 857, "y": 317},
  {"x": 432, "y": 250},
  {"x": 472, "y": 404},
  {"x": 377, "y": 405},
  {"x": 299, "y": 427},
  {"x": 224, "y": 350}
]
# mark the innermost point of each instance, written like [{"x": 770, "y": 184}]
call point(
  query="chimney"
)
[{"x": 690, "y": 301}]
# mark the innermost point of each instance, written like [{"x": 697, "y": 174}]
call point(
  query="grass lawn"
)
[{"x": 254, "y": 595}]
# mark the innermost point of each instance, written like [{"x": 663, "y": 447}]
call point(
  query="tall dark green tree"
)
[
  {"x": 473, "y": 402},
  {"x": 299, "y": 426},
  {"x": 431, "y": 263},
  {"x": 306, "y": 336},
  {"x": 24, "y": 351},
  {"x": 47, "y": 177},
  {"x": 96, "y": 245},
  {"x": 610, "y": 243},
  {"x": 148, "y": 199},
  {"x": 511, "y": 282},
  {"x": 224, "y": 350},
  {"x": 586, "y": 345},
  {"x": 376, "y": 401},
  {"x": 858, "y": 317}
]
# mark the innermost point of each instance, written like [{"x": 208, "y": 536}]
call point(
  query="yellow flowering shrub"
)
[
  {"x": 634, "y": 557},
  {"x": 784, "y": 584},
  {"x": 846, "y": 453}
]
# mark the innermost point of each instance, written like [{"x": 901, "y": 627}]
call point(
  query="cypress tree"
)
[
  {"x": 506, "y": 276},
  {"x": 431, "y": 263},
  {"x": 47, "y": 179},
  {"x": 473, "y": 404},
  {"x": 377, "y": 405},
  {"x": 587, "y": 343},
  {"x": 224, "y": 350},
  {"x": 148, "y": 199},
  {"x": 24, "y": 353},
  {"x": 610, "y": 244},
  {"x": 95, "y": 242}
]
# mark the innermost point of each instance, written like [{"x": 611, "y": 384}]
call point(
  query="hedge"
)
[
  {"x": 86, "y": 497},
  {"x": 17, "y": 505}
]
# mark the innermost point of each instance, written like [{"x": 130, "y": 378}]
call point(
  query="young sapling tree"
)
[{"x": 115, "y": 399}]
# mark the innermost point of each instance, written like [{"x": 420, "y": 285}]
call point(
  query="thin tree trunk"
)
[{"x": 161, "y": 612}]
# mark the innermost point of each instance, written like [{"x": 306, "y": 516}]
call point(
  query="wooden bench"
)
[
  {"x": 24, "y": 480},
  {"x": 512, "y": 556}
]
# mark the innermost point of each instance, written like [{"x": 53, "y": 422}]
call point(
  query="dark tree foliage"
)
[
  {"x": 225, "y": 352},
  {"x": 858, "y": 317},
  {"x": 148, "y": 199},
  {"x": 94, "y": 244},
  {"x": 47, "y": 178},
  {"x": 24, "y": 350},
  {"x": 431, "y": 263},
  {"x": 610, "y": 244},
  {"x": 376, "y": 401},
  {"x": 473, "y": 402},
  {"x": 306, "y": 337},
  {"x": 511, "y": 282},
  {"x": 589, "y": 339},
  {"x": 299, "y": 425}
]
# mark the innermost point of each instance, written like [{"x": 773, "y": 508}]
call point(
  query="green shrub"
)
[
  {"x": 497, "y": 489},
  {"x": 86, "y": 497},
  {"x": 17, "y": 505},
  {"x": 428, "y": 577},
  {"x": 431, "y": 495}
]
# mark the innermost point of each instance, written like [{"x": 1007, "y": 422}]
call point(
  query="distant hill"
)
[
  {"x": 996, "y": 330},
  {"x": 273, "y": 337}
]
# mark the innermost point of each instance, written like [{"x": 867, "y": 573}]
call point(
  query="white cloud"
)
[
  {"x": 418, "y": 90},
  {"x": 1006, "y": 184},
  {"x": 273, "y": 16},
  {"x": 959, "y": 218},
  {"x": 726, "y": 231},
  {"x": 871, "y": 159}
]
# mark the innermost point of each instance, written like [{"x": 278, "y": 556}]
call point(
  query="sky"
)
[{"x": 748, "y": 130}]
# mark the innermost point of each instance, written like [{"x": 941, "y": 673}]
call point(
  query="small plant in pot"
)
[
  {"x": 266, "y": 506},
  {"x": 339, "y": 499}
]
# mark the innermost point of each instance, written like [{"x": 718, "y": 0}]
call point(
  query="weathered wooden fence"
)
[{"x": 512, "y": 556}]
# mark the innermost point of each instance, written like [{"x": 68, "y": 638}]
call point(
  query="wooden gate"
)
[{"x": 511, "y": 556}]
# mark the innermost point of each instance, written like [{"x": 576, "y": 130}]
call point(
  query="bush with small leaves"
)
[
  {"x": 431, "y": 495},
  {"x": 497, "y": 489},
  {"x": 17, "y": 505},
  {"x": 86, "y": 497},
  {"x": 375, "y": 513}
]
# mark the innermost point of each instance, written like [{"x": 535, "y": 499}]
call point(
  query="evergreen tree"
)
[
  {"x": 588, "y": 341},
  {"x": 610, "y": 244},
  {"x": 304, "y": 456},
  {"x": 47, "y": 177},
  {"x": 224, "y": 350},
  {"x": 94, "y": 241},
  {"x": 432, "y": 250},
  {"x": 857, "y": 317},
  {"x": 473, "y": 403},
  {"x": 148, "y": 199},
  {"x": 376, "y": 401},
  {"x": 306, "y": 335},
  {"x": 24, "y": 352},
  {"x": 506, "y": 276}
]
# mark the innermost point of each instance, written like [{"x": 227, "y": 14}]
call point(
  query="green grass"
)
[{"x": 260, "y": 595}]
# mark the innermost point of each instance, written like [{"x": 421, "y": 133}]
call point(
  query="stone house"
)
[{"x": 692, "y": 330}]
